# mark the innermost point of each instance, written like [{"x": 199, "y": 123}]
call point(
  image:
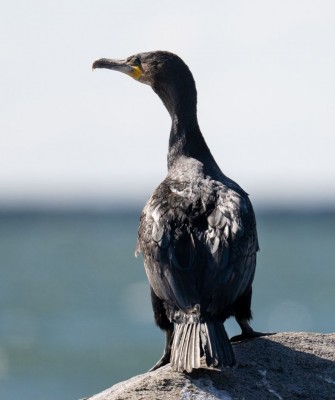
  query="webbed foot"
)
[
  {"x": 161, "y": 362},
  {"x": 247, "y": 332},
  {"x": 249, "y": 335},
  {"x": 165, "y": 359}
]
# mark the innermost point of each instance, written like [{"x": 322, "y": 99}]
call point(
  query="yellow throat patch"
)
[{"x": 136, "y": 72}]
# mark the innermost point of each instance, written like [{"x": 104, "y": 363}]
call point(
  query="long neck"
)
[
  {"x": 185, "y": 136},
  {"x": 186, "y": 140}
]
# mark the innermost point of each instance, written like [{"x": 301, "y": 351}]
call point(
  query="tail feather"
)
[
  {"x": 185, "y": 340},
  {"x": 195, "y": 361},
  {"x": 191, "y": 347},
  {"x": 190, "y": 339},
  {"x": 190, "y": 356}
]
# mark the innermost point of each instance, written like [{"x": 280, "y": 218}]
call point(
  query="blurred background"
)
[{"x": 80, "y": 153}]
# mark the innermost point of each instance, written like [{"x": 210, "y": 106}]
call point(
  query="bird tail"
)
[{"x": 192, "y": 340}]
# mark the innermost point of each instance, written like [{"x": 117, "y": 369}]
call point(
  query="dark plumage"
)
[{"x": 197, "y": 231}]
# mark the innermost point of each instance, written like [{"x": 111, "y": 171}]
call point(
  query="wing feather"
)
[{"x": 199, "y": 243}]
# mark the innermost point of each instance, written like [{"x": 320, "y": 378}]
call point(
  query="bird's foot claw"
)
[{"x": 249, "y": 335}]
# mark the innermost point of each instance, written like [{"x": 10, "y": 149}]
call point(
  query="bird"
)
[{"x": 197, "y": 231}]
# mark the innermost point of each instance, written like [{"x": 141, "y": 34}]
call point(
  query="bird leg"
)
[
  {"x": 247, "y": 332},
  {"x": 165, "y": 359}
]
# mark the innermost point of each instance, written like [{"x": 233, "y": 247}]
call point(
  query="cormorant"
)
[{"x": 197, "y": 231}]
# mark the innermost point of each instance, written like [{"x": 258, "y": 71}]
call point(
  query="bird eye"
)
[{"x": 137, "y": 61}]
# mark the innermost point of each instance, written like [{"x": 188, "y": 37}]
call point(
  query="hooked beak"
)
[{"x": 118, "y": 65}]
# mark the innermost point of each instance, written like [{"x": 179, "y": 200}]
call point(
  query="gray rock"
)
[{"x": 282, "y": 366}]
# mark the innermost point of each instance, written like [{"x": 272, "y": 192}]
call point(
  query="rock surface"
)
[{"x": 282, "y": 366}]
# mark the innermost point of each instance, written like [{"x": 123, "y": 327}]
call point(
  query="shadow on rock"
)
[{"x": 282, "y": 366}]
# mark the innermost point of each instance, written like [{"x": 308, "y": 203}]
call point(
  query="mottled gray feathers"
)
[{"x": 199, "y": 243}]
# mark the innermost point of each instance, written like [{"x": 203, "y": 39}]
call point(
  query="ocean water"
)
[{"x": 75, "y": 314}]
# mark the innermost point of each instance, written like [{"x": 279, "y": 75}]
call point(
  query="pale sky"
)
[{"x": 266, "y": 97}]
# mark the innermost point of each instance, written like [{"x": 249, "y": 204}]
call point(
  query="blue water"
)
[{"x": 75, "y": 314}]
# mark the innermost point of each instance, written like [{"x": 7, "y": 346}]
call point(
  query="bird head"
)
[
  {"x": 149, "y": 68},
  {"x": 165, "y": 72}
]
